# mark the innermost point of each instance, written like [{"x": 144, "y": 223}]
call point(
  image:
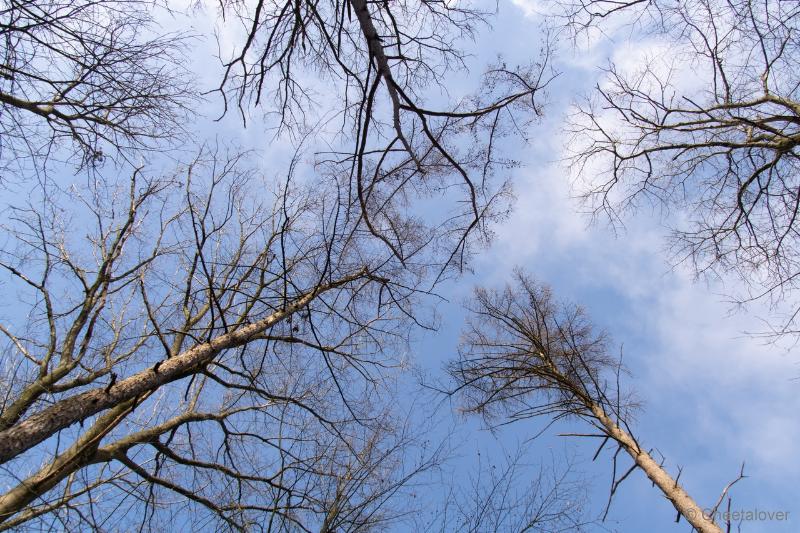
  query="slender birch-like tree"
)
[{"x": 525, "y": 355}]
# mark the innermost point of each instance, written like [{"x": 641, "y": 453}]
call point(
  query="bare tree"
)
[
  {"x": 376, "y": 489},
  {"x": 184, "y": 338},
  {"x": 525, "y": 355},
  {"x": 505, "y": 493},
  {"x": 83, "y": 75},
  {"x": 383, "y": 66},
  {"x": 207, "y": 346},
  {"x": 724, "y": 153}
]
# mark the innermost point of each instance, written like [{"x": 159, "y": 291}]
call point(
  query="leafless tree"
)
[
  {"x": 722, "y": 148},
  {"x": 525, "y": 355},
  {"x": 209, "y": 346},
  {"x": 506, "y": 494},
  {"x": 84, "y": 77},
  {"x": 383, "y": 65},
  {"x": 177, "y": 337}
]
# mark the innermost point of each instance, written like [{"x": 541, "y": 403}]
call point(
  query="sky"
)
[{"x": 713, "y": 396}]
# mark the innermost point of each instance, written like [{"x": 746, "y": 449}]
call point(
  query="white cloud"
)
[
  {"x": 531, "y": 8},
  {"x": 713, "y": 396},
  {"x": 743, "y": 386}
]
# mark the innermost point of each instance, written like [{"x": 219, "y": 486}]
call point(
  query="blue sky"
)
[{"x": 713, "y": 397}]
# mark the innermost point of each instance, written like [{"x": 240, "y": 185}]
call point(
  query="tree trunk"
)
[
  {"x": 684, "y": 503},
  {"x": 38, "y": 427}
]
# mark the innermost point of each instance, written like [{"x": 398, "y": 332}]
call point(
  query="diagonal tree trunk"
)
[{"x": 40, "y": 426}]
